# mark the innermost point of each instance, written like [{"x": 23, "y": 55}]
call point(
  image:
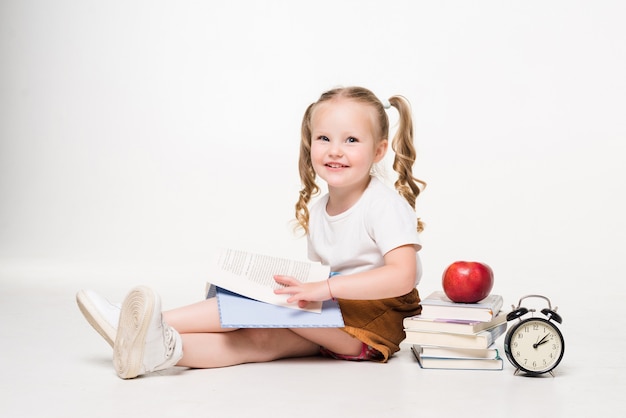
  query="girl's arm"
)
[{"x": 395, "y": 278}]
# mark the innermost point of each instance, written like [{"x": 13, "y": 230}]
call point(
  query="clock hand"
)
[{"x": 541, "y": 341}]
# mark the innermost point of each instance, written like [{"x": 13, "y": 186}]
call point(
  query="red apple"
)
[{"x": 467, "y": 281}]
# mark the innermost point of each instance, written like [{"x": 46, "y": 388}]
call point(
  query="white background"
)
[
  {"x": 147, "y": 133},
  {"x": 136, "y": 136}
]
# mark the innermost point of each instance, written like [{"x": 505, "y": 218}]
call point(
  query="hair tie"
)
[{"x": 386, "y": 104}]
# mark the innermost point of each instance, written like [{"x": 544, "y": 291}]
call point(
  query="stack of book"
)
[{"x": 449, "y": 335}]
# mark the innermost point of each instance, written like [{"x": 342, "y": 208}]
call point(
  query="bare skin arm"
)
[{"x": 395, "y": 278}]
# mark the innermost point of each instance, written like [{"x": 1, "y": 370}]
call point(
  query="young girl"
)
[{"x": 365, "y": 231}]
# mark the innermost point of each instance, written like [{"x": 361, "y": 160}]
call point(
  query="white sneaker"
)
[
  {"x": 144, "y": 343},
  {"x": 101, "y": 314}
]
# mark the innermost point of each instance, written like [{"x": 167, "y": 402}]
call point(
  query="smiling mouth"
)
[{"x": 335, "y": 165}]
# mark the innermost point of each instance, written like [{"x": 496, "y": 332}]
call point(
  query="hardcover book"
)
[
  {"x": 458, "y": 326},
  {"x": 438, "y": 306},
  {"x": 483, "y": 339},
  {"x": 238, "y": 311},
  {"x": 458, "y": 363},
  {"x": 458, "y": 352}
]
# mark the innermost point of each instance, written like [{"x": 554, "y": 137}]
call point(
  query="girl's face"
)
[{"x": 343, "y": 145}]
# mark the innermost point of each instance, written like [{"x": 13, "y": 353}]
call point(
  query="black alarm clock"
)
[{"x": 534, "y": 345}]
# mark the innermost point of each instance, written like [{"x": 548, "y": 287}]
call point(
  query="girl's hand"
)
[{"x": 303, "y": 293}]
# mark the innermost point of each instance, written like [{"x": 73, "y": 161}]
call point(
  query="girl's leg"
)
[
  {"x": 333, "y": 339},
  {"x": 245, "y": 345},
  {"x": 206, "y": 344},
  {"x": 255, "y": 345},
  {"x": 199, "y": 317}
]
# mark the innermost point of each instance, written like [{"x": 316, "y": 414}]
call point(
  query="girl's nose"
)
[{"x": 335, "y": 149}]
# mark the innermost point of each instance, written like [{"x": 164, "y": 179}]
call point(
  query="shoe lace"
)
[{"x": 169, "y": 340}]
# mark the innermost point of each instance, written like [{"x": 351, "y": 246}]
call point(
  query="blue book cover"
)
[{"x": 238, "y": 311}]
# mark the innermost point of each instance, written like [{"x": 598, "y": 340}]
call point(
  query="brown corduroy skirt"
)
[{"x": 378, "y": 323}]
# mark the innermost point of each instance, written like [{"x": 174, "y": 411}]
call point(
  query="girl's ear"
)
[{"x": 381, "y": 150}]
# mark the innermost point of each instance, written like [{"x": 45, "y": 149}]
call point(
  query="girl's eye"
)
[
  {"x": 351, "y": 140},
  {"x": 323, "y": 138}
]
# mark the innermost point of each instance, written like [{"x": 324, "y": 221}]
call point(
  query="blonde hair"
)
[{"x": 402, "y": 145}]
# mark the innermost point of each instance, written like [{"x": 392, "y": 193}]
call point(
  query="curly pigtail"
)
[
  {"x": 407, "y": 185},
  {"x": 307, "y": 174}
]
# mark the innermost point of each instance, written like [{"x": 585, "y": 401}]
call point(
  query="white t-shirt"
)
[{"x": 357, "y": 239}]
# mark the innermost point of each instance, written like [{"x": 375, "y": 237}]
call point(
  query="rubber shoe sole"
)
[
  {"x": 128, "y": 353},
  {"x": 93, "y": 316}
]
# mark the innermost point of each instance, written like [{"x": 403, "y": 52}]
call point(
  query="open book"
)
[{"x": 252, "y": 275}]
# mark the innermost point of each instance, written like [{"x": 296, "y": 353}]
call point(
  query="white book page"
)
[{"x": 252, "y": 275}]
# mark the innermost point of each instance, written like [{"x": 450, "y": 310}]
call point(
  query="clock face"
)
[{"x": 534, "y": 345}]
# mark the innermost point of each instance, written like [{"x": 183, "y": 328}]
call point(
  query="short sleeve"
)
[{"x": 391, "y": 223}]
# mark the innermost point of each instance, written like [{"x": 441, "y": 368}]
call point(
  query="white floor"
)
[{"x": 55, "y": 365}]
